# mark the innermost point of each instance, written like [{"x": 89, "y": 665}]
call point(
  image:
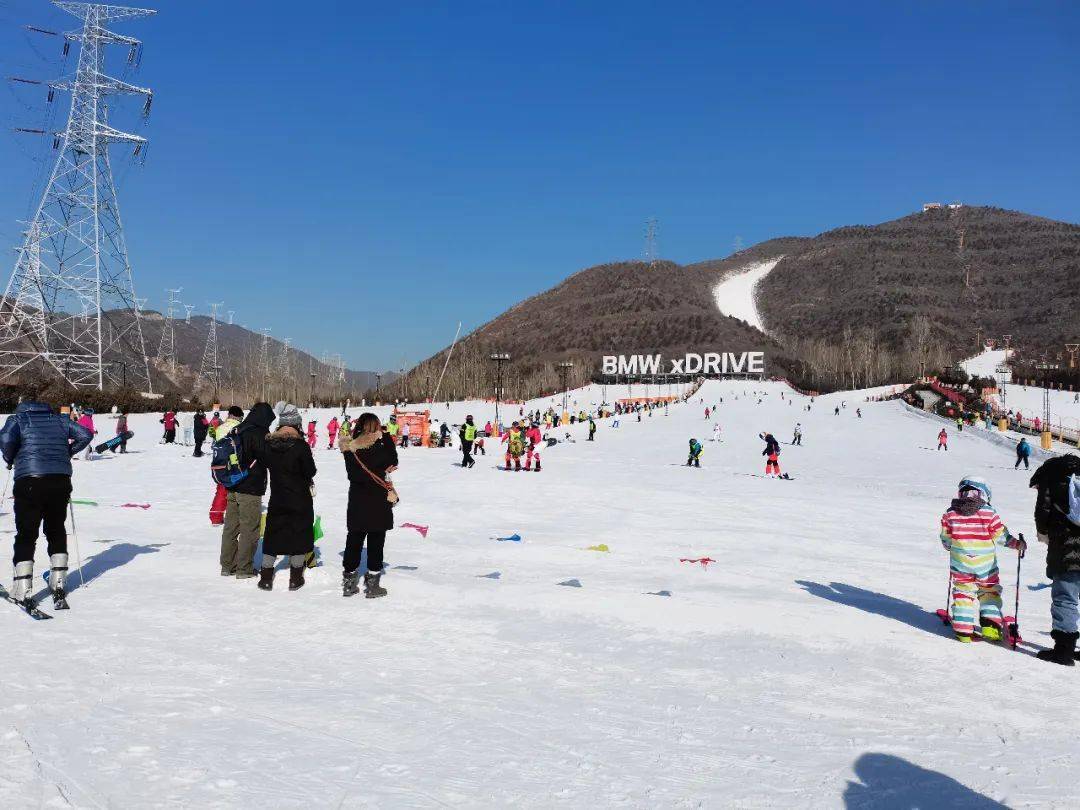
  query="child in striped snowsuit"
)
[{"x": 970, "y": 530}]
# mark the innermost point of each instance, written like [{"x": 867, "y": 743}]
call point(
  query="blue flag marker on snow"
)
[
  {"x": 514, "y": 538},
  {"x": 571, "y": 583}
]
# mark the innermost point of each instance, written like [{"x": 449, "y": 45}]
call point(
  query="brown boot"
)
[{"x": 371, "y": 586}]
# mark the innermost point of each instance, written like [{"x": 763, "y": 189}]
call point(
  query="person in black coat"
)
[
  {"x": 1061, "y": 536},
  {"x": 290, "y": 514},
  {"x": 200, "y": 427},
  {"x": 243, "y": 510},
  {"x": 370, "y": 515}
]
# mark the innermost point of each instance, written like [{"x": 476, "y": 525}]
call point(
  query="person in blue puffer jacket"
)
[{"x": 39, "y": 445}]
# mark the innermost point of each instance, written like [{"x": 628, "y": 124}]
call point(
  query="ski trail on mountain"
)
[{"x": 736, "y": 295}]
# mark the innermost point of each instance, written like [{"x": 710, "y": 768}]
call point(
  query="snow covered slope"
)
[
  {"x": 985, "y": 363},
  {"x": 803, "y": 668},
  {"x": 735, "y": 295}
]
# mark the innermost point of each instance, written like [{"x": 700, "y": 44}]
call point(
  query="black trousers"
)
[
  {"x": 354, "y": 545},
  {"x": 40, "y": 499},
  {"x": 170, "y": 436},
  {"x": 1023, "y": 459},
  {"x": 466, "y": 452}
]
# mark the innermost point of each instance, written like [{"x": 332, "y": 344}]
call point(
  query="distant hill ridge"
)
[{"x": 856, "y": 305}]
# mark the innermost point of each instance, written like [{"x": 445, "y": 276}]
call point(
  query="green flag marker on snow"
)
[
  {"x": 84, "y": 502},
  {"x": 317, "y": 528}
]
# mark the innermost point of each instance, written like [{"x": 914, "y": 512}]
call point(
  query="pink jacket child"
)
[
  {"x": 86, "y": 419},
  {"x": 311, "y": 438},
  {"x": 332, "y": 429},
  {"x": 533, "y": 437}
]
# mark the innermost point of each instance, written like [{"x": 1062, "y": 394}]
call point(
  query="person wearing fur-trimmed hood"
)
[
  {"x": 290, "y": 515},
  {"x": 370, "y": 457}
]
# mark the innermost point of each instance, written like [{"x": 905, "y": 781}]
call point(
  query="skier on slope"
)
[
  {"x": 332, "y": 431},
  {"x": 706, "y": 413},
  {"x": 797, "y": 438},
  {"x": 694, "y": 458},
  {"x": 515, "y": 446},
  {"x": 39, "y": 444},
  {"x": 121, "y": 430},
  {"x": 312, "y": 438},
  {"x": 533, "y": 437},
  {"x": 1023, "y": 453},
  {"x": 346, "y": 426},
  {"x": 943, "y": 440},
  {"x": 970, "y": 529},
  {"x": 592, "y": 429},
  {"x": 772, "y": 454},
  {"x": 716, "y": 431}
]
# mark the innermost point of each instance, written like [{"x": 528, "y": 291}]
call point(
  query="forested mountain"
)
[{"x": 858, "y": 305}]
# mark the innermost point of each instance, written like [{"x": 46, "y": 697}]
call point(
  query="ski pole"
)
[
  {"x": 1014, "y": 631},
  {"x": 3, "y": 497},
  {"x": 75, "y": 536},
  {"x": 948, "y": 598}
]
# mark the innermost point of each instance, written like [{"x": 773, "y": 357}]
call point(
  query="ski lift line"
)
[{"x": 438, "y": 385}]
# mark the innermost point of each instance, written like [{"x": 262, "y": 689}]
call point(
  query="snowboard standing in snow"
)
[{"x": 114, "y": 442}]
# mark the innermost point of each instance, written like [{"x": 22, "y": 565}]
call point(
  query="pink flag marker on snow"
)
[
  {"x": 703, "y": 560},
  {"x": 422, "y": 529},
  {"x": 134, "y": 506}
]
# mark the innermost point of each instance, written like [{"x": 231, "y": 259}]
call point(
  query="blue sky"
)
[{"x": 361, "y": 176}]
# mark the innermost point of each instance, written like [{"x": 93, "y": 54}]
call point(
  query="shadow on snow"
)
[
  {"x": 887, "y": 782},
  {"x": 873, "y": 602},
  {"x": 112, "y": 557}
]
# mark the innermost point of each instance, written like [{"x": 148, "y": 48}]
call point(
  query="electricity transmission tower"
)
[
  {"x": 190, "y": 308},
  {"x": 167, "y": 344},
  {"x": 70, "y": 302},
  {"x": 263, "y": 365},
  {"x": 209, "y": 370}
]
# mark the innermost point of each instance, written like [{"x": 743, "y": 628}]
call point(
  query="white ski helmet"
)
[{"x": 975, "y": 483}]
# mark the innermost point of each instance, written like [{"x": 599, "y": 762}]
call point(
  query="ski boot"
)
[
  {"x": 24, "y": 577},
  {"x": 296, "y": 577},
  {"x": 1064, "y": 649},
  {"x": 266, "y": 579},
  {"x": 964, "y": 637},
  {"x": 372, "y": 589},
  {"x": 538, "y": 466},
  {"x": 57, "y": 579},
  {"x": 991, "y": 631},
  {"x": 472, "y": 463},
  {"x": 350, "y": 583}
]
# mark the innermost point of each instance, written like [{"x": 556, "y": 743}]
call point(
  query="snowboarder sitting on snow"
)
[
  {"x": 772, "y": 454},
  {"x": 515, "y": 446},
  {"x": 694, "y": 459},
  {"x": 970, "y": 530}
]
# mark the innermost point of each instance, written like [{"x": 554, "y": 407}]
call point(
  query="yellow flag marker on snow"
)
[{"x": 601, "y": 547}]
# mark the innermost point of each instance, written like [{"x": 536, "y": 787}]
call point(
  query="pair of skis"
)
[
  {"x": 29, "y": 607},
  {"x": 1010, "y": 628}
]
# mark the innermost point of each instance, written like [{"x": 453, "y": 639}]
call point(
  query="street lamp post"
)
[
  {"x": 499, "y": 358},
  {"x": 313, "y": 389},
  {"x": 564, "y": 373},
  {"x": 378, "y": 382}
]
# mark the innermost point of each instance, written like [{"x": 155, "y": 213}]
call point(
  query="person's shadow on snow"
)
[
  {"x": 873, "y": 602},
  {"x": 891, "y": 783},
  {"x": 112, "y": 557}
]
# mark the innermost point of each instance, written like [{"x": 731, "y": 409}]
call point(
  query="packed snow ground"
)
[
  {"x": 985, "y": 364},
  {"x": 736, "y": 295},
  {"x": 1027, "y": 399},
  {"x": 804, "y": 668}
]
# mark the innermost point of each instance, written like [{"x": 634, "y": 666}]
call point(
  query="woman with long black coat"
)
[
  {"x": 370, "y": 456},
  {"x": 290, "y": 514}
]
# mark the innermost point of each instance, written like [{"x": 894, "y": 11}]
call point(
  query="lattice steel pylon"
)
[
  {"x": 70, "y": 301},
  {"x": 210, "y": 369},
  {"x": 167, "y": 345}
]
